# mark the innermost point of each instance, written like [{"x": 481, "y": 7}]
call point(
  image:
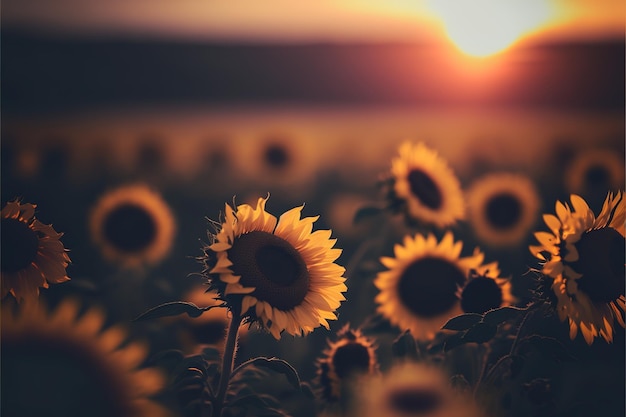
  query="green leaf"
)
[
  {"x": 173, "y": 308},
  {"x": 480, "y": 333},
  {"x": 280, "y": 366},
  {"x": 462, "y": 322},
  {"x": 404, "y": 347},
  {"x": 365, "y": 212},
  {"x": 500, "y": 315}
]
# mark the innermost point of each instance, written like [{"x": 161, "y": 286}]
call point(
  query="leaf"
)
[
  {"x": 517, "y": 363},
  {"x": 404, "y": 347},
  {"x": 261, "y": 401},
  {"x": 173, "y": 308},
  {"x": 462, "y": 322},
  {"x": 480, "y": 333},
  {"x": 500, "y": 315},
  {"x": 280, "y": 366},
  {"x": 549, "y": 346},
  {"x": 365, "y": 212},
  {"x": 167, "y": 358},
  {"x": 453, "y": 341}
]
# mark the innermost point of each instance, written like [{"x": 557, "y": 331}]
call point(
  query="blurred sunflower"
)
[
  {"x": 482, "y": 293},
  {"x": 65, "y": 364},
  {"x": 279, "y": 274},
  {"x": 411, "y": 389},
  {"x": 595, "y": 169},
  {"x": 420, "y": 289},
  {"x": 502, "y": 207},
  {"x": 31, "y": 252},
  {"x": 429, "y": 188},
  {"x": 349, "y": 355},
  {"x": 133, "y": 226},
  {"x": 585, "y": 257}
]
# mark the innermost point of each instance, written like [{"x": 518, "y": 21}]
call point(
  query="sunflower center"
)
[
  {"x": 276, "y": 156},
  {"x": 503, "y": 211},
  {"x": 601, "y": 262},
  {"x": 596, "y": 175},
  {"x": 129, "y": 227},
  {"x": 58, "y": 380},
  {"x": 271, "y": 265},
  {"x": 424, "y": 188},
  {"x": 414, "y": 400},
  {"x": 19, "y": 245},
  {"x": 481, "y": 294},
  {"x": 351, "y": 358},
  {"x": 428, "y": 286}
]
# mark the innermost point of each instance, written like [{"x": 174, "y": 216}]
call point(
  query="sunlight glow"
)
[{"x": 485, "y": 27}]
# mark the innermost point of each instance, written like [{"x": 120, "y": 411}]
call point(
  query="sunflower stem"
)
[{"x": 228, "y": 360}]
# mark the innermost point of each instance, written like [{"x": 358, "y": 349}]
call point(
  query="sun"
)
[{"x": 482, "y": 28}]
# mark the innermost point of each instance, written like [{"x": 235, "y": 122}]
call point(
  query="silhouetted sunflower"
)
[
  {"x": 351, "y": 354},
  {"x": 133, "y": 226},
  {"x": 66, "y": 364},
  {"x": 279, "y": 274},
  {"x": 427, "y": 185},
  {"x": 595, "y": 169},
  {"x": 482, "y": 293},
  {"x": 502, "y": 208},
  {"x": 420, "y": 289},
  {"x": 585, "y": 257},
  {"x": 411, "y": 389},
  {"x": 32, "y": 253}
]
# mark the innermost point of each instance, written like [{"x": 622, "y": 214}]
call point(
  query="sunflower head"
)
[
  {"x": 32, "y": 253},
  {"x": 275, "y": 272},
  {"x": 349, "y": 355},
  {"x": 584, "y": 255},
  {"x": 65, "y": 363},
  {"x": 482, "y": 292},
  {"x": 133, "y": 226},
  {"x": 425, "y": 187},
  {"x": 420, "y": 289}
]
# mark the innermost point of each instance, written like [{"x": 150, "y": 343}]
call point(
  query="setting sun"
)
[{"x": 486, "y": 27}]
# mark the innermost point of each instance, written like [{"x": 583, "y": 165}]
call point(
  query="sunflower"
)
[
  {"x": 595, "y": 169},
  {"x": 482, "y": 293},
  {"x": 133, "y": 226},
  {"x": 350, "y": 354},
  {"x": 502, "y": 207},
  {"x": 420, "y": 290},
  {"x": 584, "y": 255},
  {"x": 411, "y": 389},
  {"x": 31, "y": 252},
  {"x": 66, "y": 364},
  {"x": 427, "y": 185},
  {"x": 279, "y": 274}
]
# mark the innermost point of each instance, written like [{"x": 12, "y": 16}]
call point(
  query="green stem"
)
[{"x": 228, "y": 360}]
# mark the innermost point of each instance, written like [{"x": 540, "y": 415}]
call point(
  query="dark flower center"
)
[
  {"x": 276, "y": 156},
  {"x": 425, "y": 189},
  {"x": 414, "y": 400},
  {"x": 601, "y": 262},
  {"x": 481, "y": 294},
  {"x": 428, "y": 286},
  {"x": 503, "y": 211},
  {"x": 597, "y": 175},
  {"x": 129, "y": 228},
  {"x": 19, "y": 245},
  {"x": 56, "y": 379},
  {"x": 271, "y": 265},
  {"x": 351, "y": 358}
]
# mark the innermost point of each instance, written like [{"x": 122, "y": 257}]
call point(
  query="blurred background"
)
[{"x": 308, "y": 101}]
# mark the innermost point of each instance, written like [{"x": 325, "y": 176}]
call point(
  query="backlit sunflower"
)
[
  {"x": 411, "y": 389},
  {"x": 482, "y": 293},
  {"x": 420, "y": 289},
  {"x": 133, "y": 226},
  {"x": 502, "y": 208},
  {"x": 32, "y": 255},
  {"x": 594, "y": 169},
  {"x": 349, "y": 355},
  {"x": 585, "y": 257},
  {"x": 66, "y": 364},
  {"x": 279, "y": 274},
  {"x": 427, "y": 185}
]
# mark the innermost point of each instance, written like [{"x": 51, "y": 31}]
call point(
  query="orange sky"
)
[{"x": 319, "y": 20}]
